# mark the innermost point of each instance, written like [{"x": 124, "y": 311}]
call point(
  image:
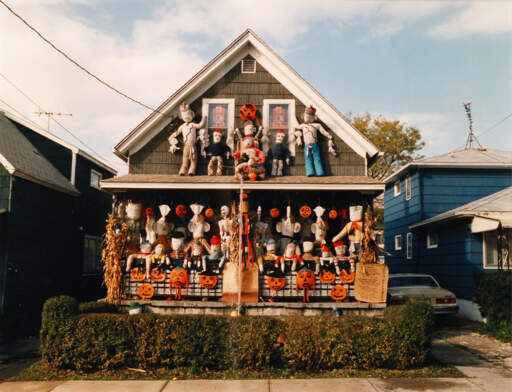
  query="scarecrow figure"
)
[
  {"x": 198, "y": 225},
  {"x": 319, "y": 228},
  {"x": 267, "y": 262},
  {"x": 278, "y": 154},
  {"x": 162, "y": 227},
  {"x": 189, "y": 132},
  {"x": 194, "y": 254},
  {"x": 217, "y": 149},
  {"x": 289, "y": 260},
  {"x": 177, "y": 256},
  {"x": 215, "y": 259},
  {"x": 354, "y": 230},
  {"x": 261, "y": 232},
  {"x": 150, "y": 226},
  {"x": 310, "y": 261},
  {"x": 250, "y": 130},
  {"x": 309, "y": 132},
  {"x": 287, "y": 227},
  {"x": 251, "y": 161},
  {"x": 224, "y": 229},
  {"x": 140, "y": 259}
]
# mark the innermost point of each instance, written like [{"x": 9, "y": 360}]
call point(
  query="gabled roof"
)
[
  {"x": 248, "y": 43},
  {"x": 479, "y": 158},
  {"x": 493, "y": 206},
  {"x": 20, "y": 158}
]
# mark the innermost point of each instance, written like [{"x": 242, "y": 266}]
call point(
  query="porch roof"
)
[{"x": 172, "y": 181}]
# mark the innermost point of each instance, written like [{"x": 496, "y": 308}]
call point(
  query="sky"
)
[{"x": 413, "y": 61}]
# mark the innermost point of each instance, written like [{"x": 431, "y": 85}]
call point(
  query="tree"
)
[{"x": 399, "y": 142}]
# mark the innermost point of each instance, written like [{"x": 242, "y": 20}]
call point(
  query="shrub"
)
[
  {"x": 96, "y": 307},
  {"x": 493, "y": 295}
]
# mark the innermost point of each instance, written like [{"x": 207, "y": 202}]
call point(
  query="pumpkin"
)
[
  {"x": 181, "y": 210},
  {"x": 158, "y": 274},
  {"x": 208, "y": 281},
  {"x": 346, "y": 277},
  {"x": 326, "y": 276},
  {"x": 338, "y": 293},
  {"x": 305, "y": 279},
  {"x": 343, "y": 214},
  {"x": 179, "y": 279},
  {"x": 146, "y": 291},
  {"x": 137, "y": 274},
  {"x": 252, "y": 176},
  {"x": 276, "y": 282},
  {"x": 274, "y": 212},
  {"x": 305, "y": 211},
  {"x": 209, "y": 213},
  {"x": 333, "y": 214}
]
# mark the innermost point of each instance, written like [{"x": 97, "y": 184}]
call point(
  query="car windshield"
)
[{"x": 403, "y": 281}]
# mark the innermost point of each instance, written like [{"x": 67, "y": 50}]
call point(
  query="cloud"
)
[{"x": 488, "y": 17}]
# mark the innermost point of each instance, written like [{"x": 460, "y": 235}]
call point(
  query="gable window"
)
[
  {"x": 95, "y": 179},
  {"x": 92, "y": 255},
  {"x": 248, "y": 65},
  {"x": 397, "y": 188},
  {"x": 432, "y": 240},
  {"x": 408, "y": 191},
  {"x": 409, "y": 246},
  {"x": 279, "y": 114},
  {"x": 398, "y": 242},
  {"x": 220, "y": 112}
]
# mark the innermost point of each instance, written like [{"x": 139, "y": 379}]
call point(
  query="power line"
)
[
  {"x": 78, "y": 65},
  {"x": 495, "y": 125},
  {"x": 21, "y": 114}
]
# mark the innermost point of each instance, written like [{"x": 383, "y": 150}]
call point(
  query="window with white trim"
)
[
  {"x": 92, "y": 255},
  {"x": 398, "y": 242},
  {"x": 397, "y": 188},
  {"x": 432, "y": 240},
  {"x": 220, "y": 112},
  {"x": 490, "y": 248},
  {"x": 95, "y": 179},
  {"x": 409, "y": 246},
  {"x": 408, "y": 191},
  {"x": 279, "y": 114}
]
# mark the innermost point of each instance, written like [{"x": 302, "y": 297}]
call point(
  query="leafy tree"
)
[{"x": 399, "y": 142}]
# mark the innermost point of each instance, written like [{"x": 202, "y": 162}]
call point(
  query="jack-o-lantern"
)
[
  {"x": 326, "y": 276},
  {"x": 137, "y": 274},
  {"x": 305, "y": 280},
  {"x": 207, "y": 281},
  {"x": 181, "y": 210},
  {"x": 252, "y": 176},
  {"x": 146, "y": 291},
  {"x": 333, "y": 214},
  {"x": 274, "y": 212},
  {"x": 209, "y": 213},
  {"x": 276, "y": 282},
  {"x": 178, "y": 279},
  {"x": 158, "y": 274},
  {"x": 345, "y": 277},
  {"x": 305, "y": 211},
  {"x": 338, "y": 293}
]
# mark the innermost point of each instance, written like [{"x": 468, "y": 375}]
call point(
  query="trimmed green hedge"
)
[{"x": 90, "y": 342}]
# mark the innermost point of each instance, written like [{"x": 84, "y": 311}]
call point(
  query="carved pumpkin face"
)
[
  {"x": 338, "y": 293},
  {"x": 146, "y": 291},
  {"x": 305, "y": 211},
  {"x": 326, "y": 276},
  {"x": 208, "y": 281},
  {"x": 209, "y": 213},
  {"x": 276, "y": 282},
  {"x": 158, "y": 275},
  {"x": 181, "y": 210},
  {"x": 333, "y": 214},
  {"x": 179, "y": 277},
  {"x": 274, "y": 212},
  {"x": 346, "y": 277},
  {"x": 252, "y": 176},
  {"x": 137, "y": 275},
  {"x": 305, "y": 279}
]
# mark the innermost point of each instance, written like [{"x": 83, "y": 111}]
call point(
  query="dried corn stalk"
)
[
  {"x": 111, "y": 255},
  {"x": 369, "y": 246},
  {"x": 233, "y": 236}
]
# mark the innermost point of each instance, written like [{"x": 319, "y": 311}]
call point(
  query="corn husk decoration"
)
[
  {"x": 233, "y": 236},
  {"x": 114, "y": 245},
  {"x": 370, "y": 248}
]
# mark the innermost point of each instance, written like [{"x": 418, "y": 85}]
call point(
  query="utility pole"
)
[
  {"x": 471, "y": 135},
  {"x": 50, "y": 114}
]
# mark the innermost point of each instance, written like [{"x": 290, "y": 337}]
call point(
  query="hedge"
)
[
  {"x": 493, "y": 294},
  {"x": 96, "y": 341}
]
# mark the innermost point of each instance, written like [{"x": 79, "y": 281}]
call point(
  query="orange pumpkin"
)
[
  {"x": 178, "y": 279},
  {"x": 346, "y": 277},
  {"x": 338, "y": 293},
  {"x": 333, "y": 214},
  {"x": 276, "y": 282},
  {"x": 209, "y": 213},
  {"x": 208, "y": 281},
  {"x": 146, "y": 291},
  {"x": 274, "y": 212},
  {"x": 305, "y": 279},
  {"x": 137, "y": 274},
  {"x": 326, "y": 276},
  {"x": 181, "y": 210},
  {"x": 305, "y": 211},
  {"x": 158, "y": 274},
  {"x": 252, "y": 176}
]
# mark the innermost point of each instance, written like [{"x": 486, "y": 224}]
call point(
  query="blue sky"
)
[{"x": 413, "y": 61}]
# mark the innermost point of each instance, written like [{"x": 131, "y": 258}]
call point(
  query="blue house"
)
[{"x": 433, "y": 218}]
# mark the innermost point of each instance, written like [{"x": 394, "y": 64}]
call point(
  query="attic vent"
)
[{"x": 248, "y": 66}]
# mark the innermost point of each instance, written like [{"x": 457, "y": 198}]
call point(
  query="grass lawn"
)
[{"x": 39, "y": 372}]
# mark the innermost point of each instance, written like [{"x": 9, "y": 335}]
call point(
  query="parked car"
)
[{"x": 421, "y": 287}]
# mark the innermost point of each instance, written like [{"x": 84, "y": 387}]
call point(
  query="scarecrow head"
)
[
  {"x": 177, "y": 239},
  {"x": 186, "y": 113},
  {"x": 290, "y": 250},
  {"x": 217, "y": 136},
  {"x": 308, "y": 244},
  {"x": 215, "y": 244},
  {"x": 280, "y": 136},
  {"x": 340, "y": 248},
  {"x": 271, "y": 246},
  {"x": 326, "y": 252},
  {"x": 309, "y": 114}
]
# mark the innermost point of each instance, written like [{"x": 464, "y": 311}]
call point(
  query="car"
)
[{"x": 421, "y": 287}]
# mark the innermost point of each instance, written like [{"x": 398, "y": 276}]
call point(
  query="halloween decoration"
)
[
  {"x": 275, "y": 282},
  {"x": 354, "y": 230},
  {"x": 278, "y": 154},
  {"x": 215, "y": 259},
  {"x": 197, "y": 225},
  {"x": 249, "y": 112},
  {"x": 333, "y": 214},
  {"x": 224, "y": 229},
  {"x": 287, "y": 227},
  {"x": 159, "y": 262},
  {"x": 245, "y": 227},
  {"x": 274, "y": 212},
  {"x": 251, "y": 160},
  {"x": 188, "y": 130},
  {"x": 146, "y": 291},
  {"x": 194, "y": 254},
  {"x": 217, "y": 150},
  {"x": 115, "y": 240},
  {"x": 267, "y": 262},
  {"x": 289, "y": 260},
  {"x": 209, "y": 213},
  {"x": 319, "y": 228},
  {"x": 207, "y": 281},
  {"x": 305, "y": 280},
  {"x": 338, "y": 293},
  {"x": 134, "y": 222},
  {"x": 133, "y": 210},
  {"x": 340, "y": 260},
  {"x": 158, "y": 274},
  {"x": 305, "y": 211},
  {"x": 371, "y": 250},
  {"x": 371, "y": 283},
  {"x": 178, "y": 279},
  {"x": 150, "y": 226},
  {"x": 140, "y": 259},
  {"x": 162, "y": 227},
  {"x": 310, "y": 261},
  {"x": 181, "y": 210},
  {"x": 137, "y": 274},
  {"x": 346, "y": 277},
  {"x": 177, "y": 256},
  {"x": 308, "y": 131},
  {"x": 120, "y": 210},
  {"x": 326, "y": 276}
]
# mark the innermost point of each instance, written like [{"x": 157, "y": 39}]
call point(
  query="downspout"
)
[
  {"x": 5, "y": 256},
  {"x": 73, "y": 168}
]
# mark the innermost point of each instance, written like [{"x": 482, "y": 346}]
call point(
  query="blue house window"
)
[
  {"x": 92, "y": 255},
  {"x": 95, "y": 179},
  {"x": 398, "y": 242},
  {"x": 409, "y": 246},
  {"x": 397, "y": 188},
  {"x": 432, "y": 240},
  {"x": 408, "y": 191}
]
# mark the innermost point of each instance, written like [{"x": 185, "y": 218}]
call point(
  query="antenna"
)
[
  {"x": 471, "y": 135},
  {"x": 50, "y": 114}
]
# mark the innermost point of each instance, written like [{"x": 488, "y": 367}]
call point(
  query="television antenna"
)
[
  {"x": 50, "y": 114},
  {"x": 471, "y": 135}
]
